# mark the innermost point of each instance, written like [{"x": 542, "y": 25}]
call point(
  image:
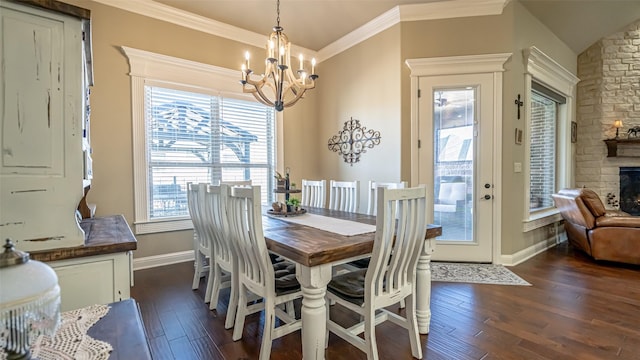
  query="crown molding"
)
[
  {"x": 414, "y": 12},
  {"x": 451, "y": 9},
  {"x": 189, "y": 20},
  {"x": 364, "y": 32}
]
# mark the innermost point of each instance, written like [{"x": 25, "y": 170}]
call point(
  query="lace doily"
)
[{"x": 71, "y": 341}]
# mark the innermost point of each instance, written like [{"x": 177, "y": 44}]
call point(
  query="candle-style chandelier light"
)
[{"x": 278, "y": 86}]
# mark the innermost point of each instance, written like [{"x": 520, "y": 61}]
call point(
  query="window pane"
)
[
  {"x": 543, "y": 151},
  {"x": 454, "y": 115},
  {"x": 194, "y": 137}
]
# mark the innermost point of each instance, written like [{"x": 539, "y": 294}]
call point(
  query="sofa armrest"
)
[{"x": 618, "y": 221}]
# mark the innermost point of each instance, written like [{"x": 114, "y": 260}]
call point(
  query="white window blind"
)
[
  {"x": 542, "y": 161},
  {"x": 197, "y": 137}
]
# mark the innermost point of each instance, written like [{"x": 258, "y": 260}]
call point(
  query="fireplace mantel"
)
[{"x": 612, "y": 145}]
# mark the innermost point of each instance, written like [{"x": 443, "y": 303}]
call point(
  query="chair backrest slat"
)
[
  {"x": 401, "y": 226},
  {"x": 244, "y": 213},
  {"x": 344, "y": 195},
  {"x": 314, "y": 193},
  {"x": 373, "y": 194},
  {"x": 216, "y": 222},
  {"x": 195, "y": 203}
]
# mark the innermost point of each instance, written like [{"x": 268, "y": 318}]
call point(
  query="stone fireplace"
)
[
  {"x": 608, "y": 90},
  {"x": 630, "y": 190}
]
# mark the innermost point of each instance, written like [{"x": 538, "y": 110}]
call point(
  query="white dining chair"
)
[
  {"x": 314, "y": 193},
  {"x": 236, "y": 182},
  {"x": 222, "y": 256},
  {"x": 256, "y": 274},
  {"x": 388, "y": 279},
  {"x": 201, "y": 245},
  {"x": 344, "y": 195},
  {"x": 372, "y": 204}
]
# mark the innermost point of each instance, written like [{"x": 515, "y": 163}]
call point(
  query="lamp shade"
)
[
  {"x": 29, "y": 303},
  {"x": 617, "y": 124}
]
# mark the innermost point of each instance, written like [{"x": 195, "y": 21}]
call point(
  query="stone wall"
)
[{"x": 609, "y": 89}]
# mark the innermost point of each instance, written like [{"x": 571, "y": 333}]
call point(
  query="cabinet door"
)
[
  {"x": 41, "y": 164},
  {"x": 92, "y": 280},
  {"x": 32, "y": 98}
]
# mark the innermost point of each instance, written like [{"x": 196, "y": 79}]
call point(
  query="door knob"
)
[
  {"x": 487, "y": 197},
  {"x": 487, "y": 186}
]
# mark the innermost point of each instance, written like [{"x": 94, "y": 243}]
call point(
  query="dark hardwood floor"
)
[{"x": 576, "y": 309}]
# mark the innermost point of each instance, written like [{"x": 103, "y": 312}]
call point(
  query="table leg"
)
[
  {"x": 423, "y": 286},
  {"x": 313, "y": 281}
]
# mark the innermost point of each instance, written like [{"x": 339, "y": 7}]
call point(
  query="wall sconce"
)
[{"x": 617, "y": 124}]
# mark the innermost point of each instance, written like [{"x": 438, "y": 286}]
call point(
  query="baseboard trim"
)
[
  {"x": 148, "y": 262},
  {"x": 528, "y": 253}
]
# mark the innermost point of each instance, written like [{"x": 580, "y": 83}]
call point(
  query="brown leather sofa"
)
[{"x": 603, "y": 234}]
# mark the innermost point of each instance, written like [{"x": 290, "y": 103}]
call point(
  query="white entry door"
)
[{"x": 456, "y": 128}]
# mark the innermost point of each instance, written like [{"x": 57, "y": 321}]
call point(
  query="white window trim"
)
[
  {"x": 151, "y": 67},
  {"x": 543, "y": 69}
]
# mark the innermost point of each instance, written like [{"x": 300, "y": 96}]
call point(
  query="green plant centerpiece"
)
[{"x": 293, "y": 204}]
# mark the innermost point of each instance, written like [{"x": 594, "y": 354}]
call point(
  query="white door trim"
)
[{"x": 456, "y": 65}]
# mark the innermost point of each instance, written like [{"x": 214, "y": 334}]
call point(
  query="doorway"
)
[{"x": 458, "y": 153}]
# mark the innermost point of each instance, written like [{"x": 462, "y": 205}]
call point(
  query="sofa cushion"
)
[{"x": 593, "y": 202}]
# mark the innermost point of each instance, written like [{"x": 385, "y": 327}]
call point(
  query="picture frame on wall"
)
[
  {"x": 518, "y": 136},
  {"x": 574, "y": 132}
]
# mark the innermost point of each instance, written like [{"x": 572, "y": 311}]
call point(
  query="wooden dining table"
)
[{"x": 316, "y": 251}]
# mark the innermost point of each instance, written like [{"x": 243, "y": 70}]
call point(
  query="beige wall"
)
[
  {"x": 368, "y": 82},
  {"x": 362, "y": 82}
]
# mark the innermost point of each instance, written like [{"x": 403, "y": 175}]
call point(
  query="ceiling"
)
[{"x": 314, "y": 24}]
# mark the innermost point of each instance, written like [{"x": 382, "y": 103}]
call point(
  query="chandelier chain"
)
[{"x": 278, "y": 12}]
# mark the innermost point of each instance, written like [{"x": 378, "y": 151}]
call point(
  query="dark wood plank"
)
[
  {"x": 122, "y": 328},
  {"x": 576, "y": 308},
  {"x": 103, "y": 235},
  {"x": 58, "y": 6}
]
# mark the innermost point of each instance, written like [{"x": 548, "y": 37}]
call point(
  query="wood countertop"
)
[{"x": 103, "y": 235}]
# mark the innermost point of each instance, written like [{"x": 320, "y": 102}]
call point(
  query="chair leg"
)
[
  {"x": 412, "y": 328},
  {"x": 328, "y": 307},
  {"x": 291, "y": 310},
  {"x": 233, "y": 302},
  {"x": 197, "y": 270},
  {"x": 215, "y": 285},
  {"x": 211, "y": 281},
  {"x": 267, "y": 331},
  {"x": 241, "y": 313},
  {"x": 370, "y": 335}
]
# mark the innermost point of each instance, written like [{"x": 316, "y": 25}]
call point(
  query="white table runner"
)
[{"x": 326, "y": 223}]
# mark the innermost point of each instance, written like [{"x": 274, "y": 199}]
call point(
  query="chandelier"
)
[{"x": 278, "y": 86}]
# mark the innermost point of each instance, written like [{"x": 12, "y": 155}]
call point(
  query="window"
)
[
  {"x": 192, "y": 123},
  {"x": 549, "y": 100},
  {"x": 193, "y": 137},
  {"x": 542, "y": 148}
]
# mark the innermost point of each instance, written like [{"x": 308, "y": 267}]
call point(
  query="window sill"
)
[
  {"x": 541, "y": 219},
  {"x": 158, "y": 226}
]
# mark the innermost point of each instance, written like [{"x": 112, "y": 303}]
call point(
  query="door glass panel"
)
[{"x": 454, "y": 118}]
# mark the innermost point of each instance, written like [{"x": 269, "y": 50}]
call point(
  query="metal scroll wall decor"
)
[{"x": 353, "y": 140}]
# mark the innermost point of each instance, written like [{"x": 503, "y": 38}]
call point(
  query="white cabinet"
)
[
  {"x": 100, "y": 279},
  {"x": 43, "y": 123},
  {"x": 99, "y": 271}
]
